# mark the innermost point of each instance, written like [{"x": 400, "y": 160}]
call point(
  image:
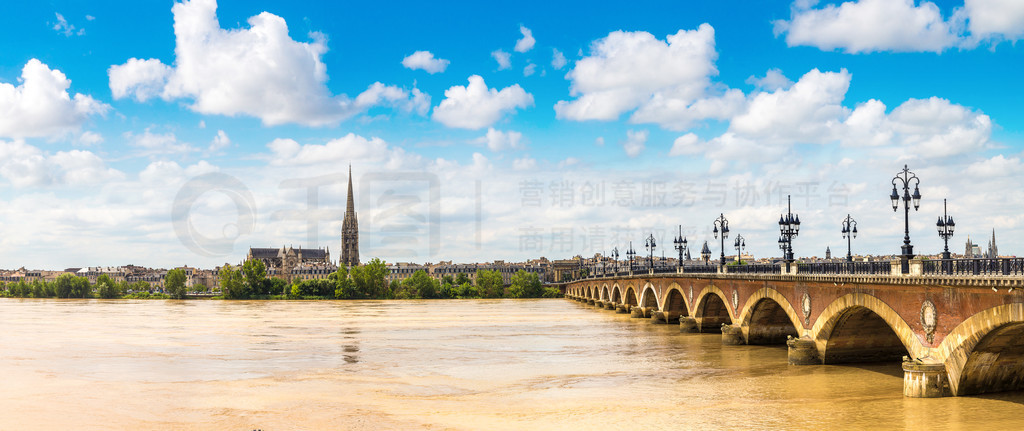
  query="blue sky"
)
[{"x": 661, "y": 114}]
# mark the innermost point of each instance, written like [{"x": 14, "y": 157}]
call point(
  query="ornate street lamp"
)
[
  {"x": 721, "y": 224},
  {"x": 630, "y": 254},
  {"x": 650, "y": 245},
  {"x": 680, "y": 243},
  {"x": 849, "y": 232},
  {"x": 789, "y": 227},
  {"x": 615, "y": 257},
  {"x": 905, "y": 177},
  {"x": 740, "y": 244},
  {"x": 945, "y": 226},
  {"x": 705, "y": 253}
]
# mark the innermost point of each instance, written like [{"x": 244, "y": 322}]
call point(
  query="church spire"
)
[
  {"x": 350, "y": 207},
  {"x": 350, "y": 229}
]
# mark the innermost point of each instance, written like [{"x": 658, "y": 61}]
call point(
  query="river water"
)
[{"x": 460, "y": 364}]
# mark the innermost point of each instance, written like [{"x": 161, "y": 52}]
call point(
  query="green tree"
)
[
  {"x": 420, "y": 285},
  {"x": 278, "y": 286},
  {"x": 255, "y": 273},
  {"x": 525, "y": 285},
  {"x": 343, "y": 288},
  {"x": 174, "y": 283},
  {"x": 447, "y": 278},
  {"x": 490, "y": 283},
  {"x": 63, "y": 286},
  {"x": 467, "y": 290},
  {"x": 370, "y": 280},
  {"x": 106, "y": 288},
  {"x": 232, "y": 286},
  {"x": 461, "y": 278}
]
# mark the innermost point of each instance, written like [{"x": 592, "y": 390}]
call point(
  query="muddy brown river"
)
[{"x": 460, "y": 364}]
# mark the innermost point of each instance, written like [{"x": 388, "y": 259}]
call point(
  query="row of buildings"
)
[{"x": 196, "y": 279}]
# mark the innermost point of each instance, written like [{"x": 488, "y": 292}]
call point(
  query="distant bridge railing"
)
[
  {"x": 874, "y": 267},
  {"x": 755, "y": 268},
  {"x": 998, "y": 266}
]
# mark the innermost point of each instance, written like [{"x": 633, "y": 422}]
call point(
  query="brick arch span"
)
[
  {"x": 630, "y": 297},
  {"x": 985, "y": 353},
  {"x": 675, "y": 300},
  {"x": 616, "y": 294},
  {"x": 590, "y": 292},
  {"x": 859, "y": 327},
  {"x": 604, "y": 292},
  {"x": 649, "y": 297},
  {"x": 712, "y": 309},
  {"x": 768, "y": 318}
]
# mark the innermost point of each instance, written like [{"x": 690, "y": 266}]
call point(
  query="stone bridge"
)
[{"x": 955, "y": 335}]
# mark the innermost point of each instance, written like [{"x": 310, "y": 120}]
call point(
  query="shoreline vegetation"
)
[{"x": 250, "y": 281}]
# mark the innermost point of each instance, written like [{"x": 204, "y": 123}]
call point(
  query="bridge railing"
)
[
  {"x": 999, "y": 266},
  {"x": 873, "y": 267},
  {"x": 700, "y": 269},
  {"x": 754, "y": 268}
]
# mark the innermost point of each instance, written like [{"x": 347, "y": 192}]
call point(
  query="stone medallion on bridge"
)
[
  {"x": 805, "y": 306},
  {"x": 735, "y": 300},
  {"x": 929, "y": 319},
  {"x": 691, "y": 294}
]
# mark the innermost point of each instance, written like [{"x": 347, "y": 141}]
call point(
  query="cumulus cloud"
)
[
  {"x": 869, "y": 26},
  {"x": 258, "y": 71},
  {"x": 475, "y": 106},
  {"x": 634, "y": 143},
  {"x": 805, "y": 112},
  {"x": 40, "y": 106},
  {"x": 998, "y": 166},
  {"x": 526, "y": 42},
  {"x": 24, "y": 165},
  {"x": 424, "y": 60},
  {"x": 928, "y": 128},
  {"x": 503, "y": 58},
  {"x": 497, "y": 140},
  {"x": 664, "y": 79},
  {"x": 288, "y": 152},
  {"x": 557, "y": 59},
  {"x": 529, "y": 69},
  {"x": 686, "y": 144},
  {"x": 88, "y": 138},
  {"x": 219, "y": 142},
  {"x": 525, "y": 163},
  {"x": 151, "y": 143},
  {"x": 771, "y": 81},
  {"x": 995, "y": 19}
]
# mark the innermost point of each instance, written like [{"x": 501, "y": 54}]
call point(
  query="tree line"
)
[{"x": 250, "y": 281}]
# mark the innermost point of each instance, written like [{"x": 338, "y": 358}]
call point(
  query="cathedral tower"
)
[{"x": 349, "y": 230}]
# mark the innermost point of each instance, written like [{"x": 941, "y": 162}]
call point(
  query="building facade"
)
[{"x": 284, "y": 262}]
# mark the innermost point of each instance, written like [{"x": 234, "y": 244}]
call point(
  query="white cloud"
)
[
  {"x": 259, "y": 71},
  {"x": 503, "y": 58},
  {"x": 557, "y": 59},
  {"x": 772, "y": 80},
  {"x": 386, "y": 95},
  {"x": 351, "y": 147},
  {"x": 525, "y": 163},
  {"x": 425, "y": 60},
  {"x": 497, "y": 140},
  {"x": 526, "y": 42},
  {"x": 41, "y": 106},
  {"x": 219, "y": 142},
  {"x": 25, "y": 165},
  {"x": 634, "y": 143},
  {"x": 686, "y": 144},
  {"x": 529, "y": 69},
  {"x": 998, "y": 166},
  {"x": 805, "y": 112},
  {"x": 599, "y": 141},
  {"x": 993, "y": 19},
  {"x": 88, "y": 138},
  {"x": 664, "y": 79},
  {"x": 158, "y": 143},
  {"x": 475, "y": 106},
  {"x": 63, "y": 27},
  {"x": 868, "y": 26}
]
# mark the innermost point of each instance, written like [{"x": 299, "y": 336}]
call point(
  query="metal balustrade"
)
[
  {"x": 861, "y": 268},
  {"x": 1000, "y": 266},
  {"x": 755, "y": 268}
]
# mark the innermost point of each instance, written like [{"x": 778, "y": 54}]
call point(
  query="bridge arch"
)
[
  {"x": 630, "y": 297},
  {"x": 616, "y": 294},
  {"x": 674, "y": 300},
  {"x": 604, "y": 292},
  {"x": 590, "y": 292},
  {"x": 768, "y": 318},
  {"x": 648, "y": 297},
  {"x": 859, "y": 327},
  {"x": 712, "y": 310},
  {"x": 985, "y": 353}
]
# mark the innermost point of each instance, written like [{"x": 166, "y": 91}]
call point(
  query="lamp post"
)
[
  {"x": 789, "y": 227},
  {"x": 721, "y": 224},
  {"x": 650, "y": 245},
  {"x": 945, "y": 226},
  {"x": 905, "y": 177},
  {"x": 630, "y": 254},
  {"x": 615, "y": 257},
  {"x": 705, "y": 253},
  {"x": 740, "y": 244},
  {"x": 849, "y": 232},
  {"x": 680, "y": 243}
]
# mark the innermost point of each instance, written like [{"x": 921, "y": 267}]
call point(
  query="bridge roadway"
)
[{"x": 956, "y": 335}]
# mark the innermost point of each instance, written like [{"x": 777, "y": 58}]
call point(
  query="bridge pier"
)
[
  {"x": 622, "y": 309},
  {"x": 924, "y": 380},
  {"x": 802, "y": 351},
  {"x": 641, "y": 312},
  {"x": 610, "y": 305},
  {"x": 599, "y": 304},
  {"x": 687, "y": 324},
  {"x": 732, "y": 335}
]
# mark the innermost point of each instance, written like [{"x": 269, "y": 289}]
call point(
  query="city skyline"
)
[{"x": 493, "y": 128}]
